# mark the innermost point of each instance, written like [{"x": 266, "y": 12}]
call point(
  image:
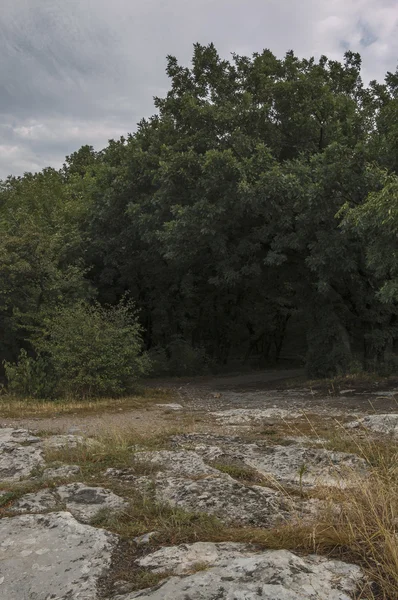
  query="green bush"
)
[
  {"x": 30, "y": 376},
  {"x": 83, "y": 350}
]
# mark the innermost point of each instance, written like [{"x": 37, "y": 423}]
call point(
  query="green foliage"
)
[
  {"x": 30, "y": 377},
  {"x": 376, "y": 221},
  {"x": 264, "y": 189},
  {"x": 83, "y": 350},
  {"x": 41, "y": 247}
]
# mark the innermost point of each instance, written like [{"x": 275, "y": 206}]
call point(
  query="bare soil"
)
[{"x": 286, "y": 389}]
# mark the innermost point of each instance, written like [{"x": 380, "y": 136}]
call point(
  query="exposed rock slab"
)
[
  {"x": 387, "y": 424},
  {"x": 20, "y": 453},
  {"x": 84, "y": 501},
  {"x": 52, "y": 556},
  {"x": 36, "y": 502},
  {"x": 81, "y": 500},
  {"x": 244, "y": 416},
  {"x": 62, "y": 472},
  {"x": 179, "y": 560},
  {"x": 271, "y": 575},
  {"x": 186, "y": 481},
  {"x": 294, "y": 464},
  {"x": 299, "y": 465},
  {"x": 225, "y": 498},
  {"x": 183, "y": 463},
  {"x": 57, "y": 442}
]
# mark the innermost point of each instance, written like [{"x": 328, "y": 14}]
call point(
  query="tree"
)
[{"x": 41, "y": 253}]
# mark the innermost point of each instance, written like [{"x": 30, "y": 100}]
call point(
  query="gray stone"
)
[
  {"x": 52, "y": 556},
  {"x": 57, "y": 442},
  {"x": 171, "y": 406},
  {"x": 243, "y": 416},
  {"x": 63, "y": 472},
  {"x": 294, "y": 464},
  {"x": 18, "y": 436},
  {"x": 20, "y": 453},
  {"x": 270, "y": 575},
  {"x": 227, "y": 499},
  {"x": 387, "y": 424},
  {"x": 179, "y": 560},
  {"x": 143, "y": 540},
  {"x": 82, "y": 501},
  {"x": 36, "y": 502},
  {"x": 182, "y": 463}
]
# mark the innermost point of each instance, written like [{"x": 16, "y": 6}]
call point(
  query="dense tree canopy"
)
[{"x": 255, "y": 215}]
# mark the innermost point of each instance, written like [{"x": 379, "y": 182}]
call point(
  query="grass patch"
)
[
  {"x": 14, "y": 407},
  {"x": 124, "y": 575},
  {"x": 12, "y": 491},
  {"x": 111, "y": 448},
  {"x": 240, "y": 472},
  {"x": 364, "y": 529}
]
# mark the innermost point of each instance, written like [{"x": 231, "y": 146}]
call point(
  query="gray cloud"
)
[{"x": 83, "y": 71}]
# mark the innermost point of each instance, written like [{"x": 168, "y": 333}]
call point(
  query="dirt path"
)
[{"x": 284, "y": 389}]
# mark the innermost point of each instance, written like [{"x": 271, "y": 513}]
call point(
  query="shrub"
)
[
  {"x": 85, "y": 350},
  {"x": 30, "y": 376}
]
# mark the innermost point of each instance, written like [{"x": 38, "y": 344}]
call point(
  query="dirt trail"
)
[{"x": 198, "y": 395}]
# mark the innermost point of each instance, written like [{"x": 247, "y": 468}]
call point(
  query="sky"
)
[{"x": 76, "y": 72}]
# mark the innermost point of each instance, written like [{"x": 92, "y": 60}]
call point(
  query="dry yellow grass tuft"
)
[{"x": 14, "y": 407}]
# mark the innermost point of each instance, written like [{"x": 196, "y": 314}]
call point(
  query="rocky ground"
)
[{"x": 199, "y": 512}]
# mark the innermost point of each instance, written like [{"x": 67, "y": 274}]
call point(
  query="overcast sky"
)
[{"x": 76, "y": 72}]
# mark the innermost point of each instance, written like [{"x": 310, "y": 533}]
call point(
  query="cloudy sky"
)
[{"x": 76, "y": 72}]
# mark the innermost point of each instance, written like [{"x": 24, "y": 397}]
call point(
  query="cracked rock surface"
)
[
  {"x": 82, "y": 501},
  {"x": 387, "y": 424},
  {"x": 49, "y": 552},
  {"x": 293, "y": 464},
  {"x": 270, "y": 575},
  {"x": 187, "y": 482},
  {"x": 52, "y": 556},
  {"x": 20, "y": 453}
]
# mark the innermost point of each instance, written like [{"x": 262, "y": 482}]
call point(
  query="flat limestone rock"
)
[
  {"x": 20, "y": 453},
  {"x": 36, "y": 502},
  {"x": 52, "y": 556},
  {"x": 57, "y": 442},
  {"x": 183, "y": 463},
  {"x": 18, "y": 436},
  {"x": 270, "y": 575},
  {"x": 171, "y": 406},
  {"x": 179, "y": 560},
  {"x": 299, "y": 465},
  {"x": 295, "y": 464},
  {"x": 244, "y": 416},
  {"x": 387, "y": 424},
  {"x": 226, "y": 499},
  {"x": 82, "y": 501},
  {"x": 62, "y": 472}
]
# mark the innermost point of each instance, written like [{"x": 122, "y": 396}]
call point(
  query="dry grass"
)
[
  {"x": 173, "y": 526},
  {"x": 110, "y": 448},
  {"x": 13, "y": 407},
  {"x": 363, "y": 530}
]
